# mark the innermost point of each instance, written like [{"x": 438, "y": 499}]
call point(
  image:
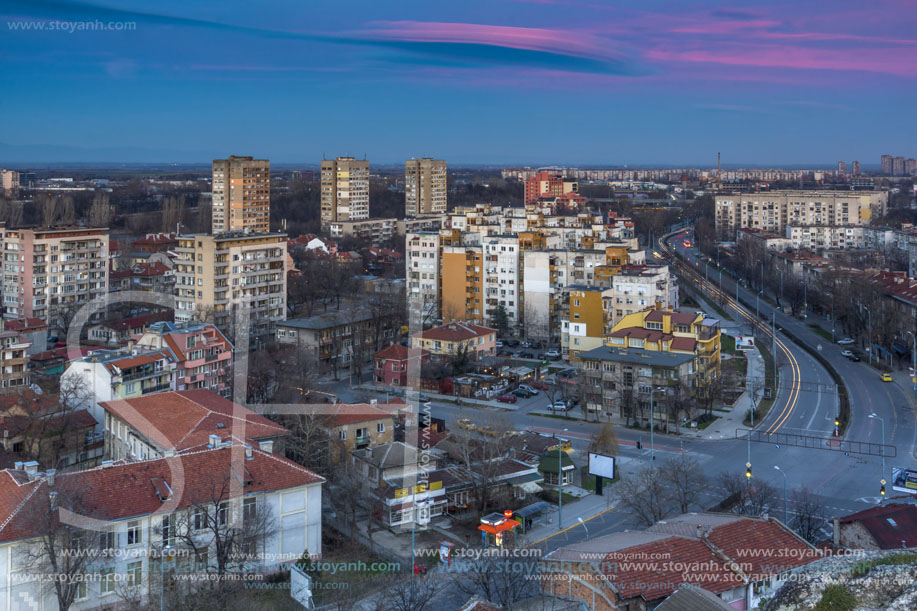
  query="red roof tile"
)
[
  {"x": 752, "y": 544},
  {"x": 678, "y": 318},
  {"x": 130, "y": 489},
  {"x": 24, "y": 324},
  {"x": 397, "y": 352},
  {"x": 183, "y": 419},
  {"x": 456, "y": 331},
  {"x": 351, "y": 413},
  {"x": 890, "y": 525},
  {"x": 688, "y": 344}
]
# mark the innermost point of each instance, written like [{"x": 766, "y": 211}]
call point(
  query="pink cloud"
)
[{"x": 534, "y": 39}]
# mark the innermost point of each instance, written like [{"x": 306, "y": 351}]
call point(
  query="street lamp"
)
[
  {"x": 581, "y": 521},
  {"x": 882, "y": 422},
  {"x": 914, "y": 357},
  {"x": 869, "y": 327},
  {"x": 784, "y": 491}
]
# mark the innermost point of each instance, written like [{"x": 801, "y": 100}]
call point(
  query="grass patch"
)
[
  {"x": 559, "y": 417},
  {"x": 727, "y": 344},
  {"x": 861, "y": 569},
  {"x": 836, "y": 598},
  {"x": 819, "y": 331},
  {"x": 587, "y": 480},
  {"x": 737, "y": 364},
  {"x": 551, "y": 497}
]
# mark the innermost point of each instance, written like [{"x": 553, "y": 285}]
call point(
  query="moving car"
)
[
  {"x": 487, "y": 430},
  {"x": 466, "y": 424},
  {"x": 846, "y": 341},
  {"x": 507, "y": 398},
  {"x": 886, "y": 377},
  {"x": 847, "y": 353}
]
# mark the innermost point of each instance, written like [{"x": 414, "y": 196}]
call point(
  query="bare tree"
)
[
  {"x": 808, "y": 516},
  {"x": 67, "y": 211},
  {"x": 50, "y": 209},
  {"x": 605, "y": 441},
  {"x": 644, "y": 495},
  {"x": 48, "y": 432},
  {"x": 101, "y": 212},
  {"x": 408, "y": 595},
  {"x": 62, "y": 553},
  {"x": 685, "y": 481},
  {"x": 497, "y": 575},
  {"x": 173, "y": 212},
  {"x": 753, "y": 497},
  {"x": 479, "y": 462},
  {"x": 348, "y": 486}
]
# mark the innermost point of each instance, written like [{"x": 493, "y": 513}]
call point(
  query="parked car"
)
[
  {"x": 528, "y": 344},
  {"x": 527, "y": 355},
  {"x": 512, "y": 343},
  {"x": 487, "y": 430},
  {"x": 511, "y": 433},
  {"x": 423, "y": 398},
  {"x": 528, "y": 389},
  {"x": 517, "y": 354},
  {"x": 507, "y": 398},
  {"x": 854, "y": 357},
  {"x": 847, "y": 353},
  {"x": 499, "y": 343},
  {"x": 552, "y": 354},
  {"x": 886, "y": 377},
  {"x": 539, "y": 385},
  {"x": 466, "y": 424},
  {"x": 522, "y": 394},
  {"x": 558, "y": 405},
  {"x": 846, "y": 341},
  {"x": 567, "y": 373}
]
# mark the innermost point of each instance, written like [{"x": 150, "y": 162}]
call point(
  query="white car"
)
[
  {"x": 552, "y": 354},
  {"x": 528, "y": 389},
  {"x": 847, "y": 353},
  {"x": 558, "y": 405},
  {"x": 846, "y": 341}
]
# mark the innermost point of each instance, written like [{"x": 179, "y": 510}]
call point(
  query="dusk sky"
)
[{"x": 477, "y": 81}]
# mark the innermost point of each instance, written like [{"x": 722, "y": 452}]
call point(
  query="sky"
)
[{"x": 514, "y": 82}]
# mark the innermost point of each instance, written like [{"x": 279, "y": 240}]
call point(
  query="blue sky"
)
[{"x": 504, "y": 82}]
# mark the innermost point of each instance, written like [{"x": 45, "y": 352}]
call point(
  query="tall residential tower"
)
[
  {"x": 345, "y": 190},
  {"x": 424, "y": 186},
  {"x": 241, "y": 195}
]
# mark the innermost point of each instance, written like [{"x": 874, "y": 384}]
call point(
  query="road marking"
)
[
  {"x": 817, "y": 403},
  {"x": 560, "y": 532}
]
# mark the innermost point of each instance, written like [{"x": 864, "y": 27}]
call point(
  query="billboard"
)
[
  {"x": 904, "y": 480},
  {"x": 745, "y": 342},
  {"x": 601, "y": 465}
]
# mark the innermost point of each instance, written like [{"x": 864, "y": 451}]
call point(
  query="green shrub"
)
[{"x": 836, "y": 598}]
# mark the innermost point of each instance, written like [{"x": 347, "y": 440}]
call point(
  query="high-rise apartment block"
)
[
  {"x": 345, "y": 190},
  {"x": 241, "y": 194},
  {"x": 49, "y": 272},
  {"x": 424, "y": 186},
  {"x": 774, "y": 211},
  {"x": 547, "y": 184},
  {"x": 888, "y": 165},
  {"x": 898, "y": 166},
  {"x": 216, "y": 275},
  {"x": 856, "y": 168},
  {"x": 841, "y": 167},
  {"x": 9, "y": 180}
]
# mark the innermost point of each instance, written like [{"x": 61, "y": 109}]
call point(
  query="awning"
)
[
  {"x": 499, "y": 528},
  {"x": 533, "y": 509},
  {"x": 530, "y": 487},
  {"x": 524, "y": 479}
]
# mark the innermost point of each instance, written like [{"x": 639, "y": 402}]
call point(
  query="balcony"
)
[
  {"x": 156, "y": 388},
  {"x": 139, "y": 375}
]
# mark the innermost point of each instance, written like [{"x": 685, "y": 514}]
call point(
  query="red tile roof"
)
[
  {"x": 351, "y": 413},
  {"x": 455, "y": 332},
  {"x": 130, "y": 489},
  {"x": 890, "y": 525},
  {"x": 136, "y": 361},
  {"x": 397, "y": 352},
  {"x": 678, "y": 318},
  {"x": 688, "y": 344},
  {"x": 752, "y": 542},
  {"x": 126, "y": 324},
  {"x": 24, "y": 324},
  {"x": 184, "y": 419}
]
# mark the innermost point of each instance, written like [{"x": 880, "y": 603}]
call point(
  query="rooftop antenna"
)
[{"x": 717, "y": 164}]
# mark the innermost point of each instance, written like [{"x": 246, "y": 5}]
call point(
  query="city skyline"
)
[{"x": 509, "y": 83}]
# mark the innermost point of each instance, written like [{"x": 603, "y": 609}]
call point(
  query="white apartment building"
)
[
  {"x": 49, "y": 271},
  {"x": 774, "y": 210},
  {"x": 422, "y": 258},
  {"x": 139, "y": 509},
  {"x": 638, "y": 287},
  {"x": 216, "y": 275},
  {"x": 823, "y": 237},
  {"x": 502, "y": 277}
]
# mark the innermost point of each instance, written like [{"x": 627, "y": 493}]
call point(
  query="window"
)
[
  {"x": 81, "y": 588},
  {"x": 107, "y": 579},
  {"x": 223, "y": 514},
  {"x": 343, "y": 434},
  {"x": 197, "y": 519},
  {"x": 380, "y": 427},
  {"x": 168, "y": 536},
  {"x": 108, "y": 540},
  {"x": 249, "y": 508},
  {"x": 135, "y": 573},
  {"x": 134, "y": 533},
  {"x": 362, "y": 433}
]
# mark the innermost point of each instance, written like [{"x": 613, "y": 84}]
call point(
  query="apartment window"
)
[
  {"x": 249, "y": 508},
  {"x": 135, "y": 573},
  {"x": 108, "y": 540},
  {"x": 134, "y": 533},
  {"x": 222, "y": 514},
  {"x": 168, "y": 535},
  {"x": 343, "y": 434},
  {"x": 197, "y": 519},
  {"x": 380, "y": 427},
  {"x": 107, "y": 579}
]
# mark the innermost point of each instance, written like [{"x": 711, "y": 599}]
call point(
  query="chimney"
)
[
  {"x": 50, "y": 476},
  {"x": 836, "y": 536},
  {"x": 248, "y": 453},
  {"x": 6, "y": 439},
  {"x": 31, "y": 468},
  {"x": 267, "y": 446},
  {"x": 374, "y": 401},
  {"x": 700, "y": 531},
  {"x": 52, "y": 498},
  {"x": 18, "y": 465},
  {"x": 214, "y": 441}
]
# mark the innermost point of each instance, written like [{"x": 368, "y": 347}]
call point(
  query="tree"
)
[
  {"x": 479, "y": 462},
  {"x": 101, "y": 212},
  {"x": 348, "y": 486},
  {"x": 48, "y": 435},
  {"x": 605, "y": 441},
  {"x": 684, "y": 480},
  {"x": 753, "y": 497},
  {"x": 644, "y": 496},
  {"x": 62, "y": 553},
  {"x": 50, "y": 209},
  {"x": 808, "y": 514},
  {"x": 500, "y": 321},
  {"x": 408, "y": 595},
  {"x": 67, "y": 211},
  {"x": 498, "y": 575},
  {"x": 173, "y": 212}
]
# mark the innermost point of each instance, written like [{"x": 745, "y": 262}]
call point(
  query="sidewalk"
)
[{"x": 586, "y": 508}]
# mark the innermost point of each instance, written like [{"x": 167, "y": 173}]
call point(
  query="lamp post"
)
[
  {"x": 653, "y": 392},
  {"x": 914, "y": 356},
  {"x": 805, "y": 301},
  {"x": 560, "y": 483},
  {"x": 882, "y": 422},
  {"x": 784, "y": 492},
  {"x": 869, "y": 331},
  {"x": 584, "y": 526}
]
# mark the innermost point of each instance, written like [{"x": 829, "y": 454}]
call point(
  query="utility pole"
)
[
  {"x": 805, "y": 301},
  {"x": 882, "y": 422},
  {"x": 774, "y": 335},
  {"x": 560, "y": 484},
  {"x": 784, "y": 492},
  {"x": 869, "y": 331}
]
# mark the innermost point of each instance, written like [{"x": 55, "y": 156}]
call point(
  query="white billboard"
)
[
  {"x": 904, "y": 480},
  {"x": 745, "y": 342},
  {"x": 602, "y": 465}
]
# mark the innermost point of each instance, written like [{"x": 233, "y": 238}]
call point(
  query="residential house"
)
[
  {"x": 456, "y": 338},
  {"x": 14, "y": 360},
  {"x": 888, "y": 526},
  {"x": 33, "y": 330},
  {"x": 118, "y": 332},
  {"x": 203, "y": 356},
  {"x": 358, "y": 425},
  {"x": 388, "y": 461},
  {"x": 392, "y": 364},
  {"x": 158, "y": 425},
  {"x": 552, "y": 463},
  {"x": 731, "y": 556},
  {"x": 144, "y": 506}
]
